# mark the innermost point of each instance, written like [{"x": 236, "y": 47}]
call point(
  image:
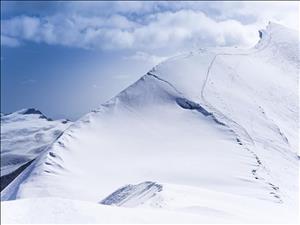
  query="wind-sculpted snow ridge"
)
[
  {"x": 216, "y": 128},
  {"x": 24, "y": 135}
]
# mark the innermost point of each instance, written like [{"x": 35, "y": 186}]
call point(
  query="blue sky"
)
[{"x": 66, "y": 58}]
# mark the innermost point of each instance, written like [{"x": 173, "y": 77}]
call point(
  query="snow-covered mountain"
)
[
  {"x": 210, "y": 135},
  {"x": 24, "y": 135}
]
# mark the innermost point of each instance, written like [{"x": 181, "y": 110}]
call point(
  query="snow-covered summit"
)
[
  {"x": 218, "y": 125},
  {"x": 29, "y": 111},
  {"x": 279, "y": 33},
  {"x": 282, "y": 43}
]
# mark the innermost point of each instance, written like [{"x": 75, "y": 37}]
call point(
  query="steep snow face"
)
[
  {"x": 219, "y": 125},
  {"x": 24, "y": 135},
  {"x": 255, "y": 92}
]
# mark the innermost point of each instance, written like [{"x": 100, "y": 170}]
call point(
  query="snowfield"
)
[
  {"x": 59, "y": 210},
  {"x": 210, "y": 136}
]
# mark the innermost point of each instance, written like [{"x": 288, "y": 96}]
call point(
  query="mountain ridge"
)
[{"x": 224, "y": 107}]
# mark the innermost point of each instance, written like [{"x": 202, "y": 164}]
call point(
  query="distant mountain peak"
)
[{"x": 30, "y": 111}]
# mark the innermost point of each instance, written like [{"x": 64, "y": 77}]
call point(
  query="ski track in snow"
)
[
  {"x": 259, "y": 166},
  {"x": 231, "y": 124}
]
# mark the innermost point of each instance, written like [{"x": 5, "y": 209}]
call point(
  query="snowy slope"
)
[
  {"x": 57, "y": 210},
  {"x": 215, "y": 129},
  {"x": 24, "y": 135}
]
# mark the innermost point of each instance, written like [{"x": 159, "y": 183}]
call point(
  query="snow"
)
[
  {"x": 216, "y": 129},
  {"x": 57, "y": 210}
]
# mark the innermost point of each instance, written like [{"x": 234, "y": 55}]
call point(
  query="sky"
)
[{"x": 66, "y": 58}]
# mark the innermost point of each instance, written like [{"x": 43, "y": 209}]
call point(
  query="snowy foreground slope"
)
[
  {"x": 24, "y": 135},
  {"x": 209, "y": 136}
]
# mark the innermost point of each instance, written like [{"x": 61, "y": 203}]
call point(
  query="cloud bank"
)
[{"x": 146, "y": 26}]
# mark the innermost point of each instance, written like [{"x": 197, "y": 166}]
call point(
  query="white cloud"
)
[
  {"x": 163, "y": 26},
  {"x": 163, "y": 30},
  {"x": 191, "y": 29},
  {"x": 285, "y": 12},
  {"x": 8, "y": 41},
  {"x": 146, "y": 57}
]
